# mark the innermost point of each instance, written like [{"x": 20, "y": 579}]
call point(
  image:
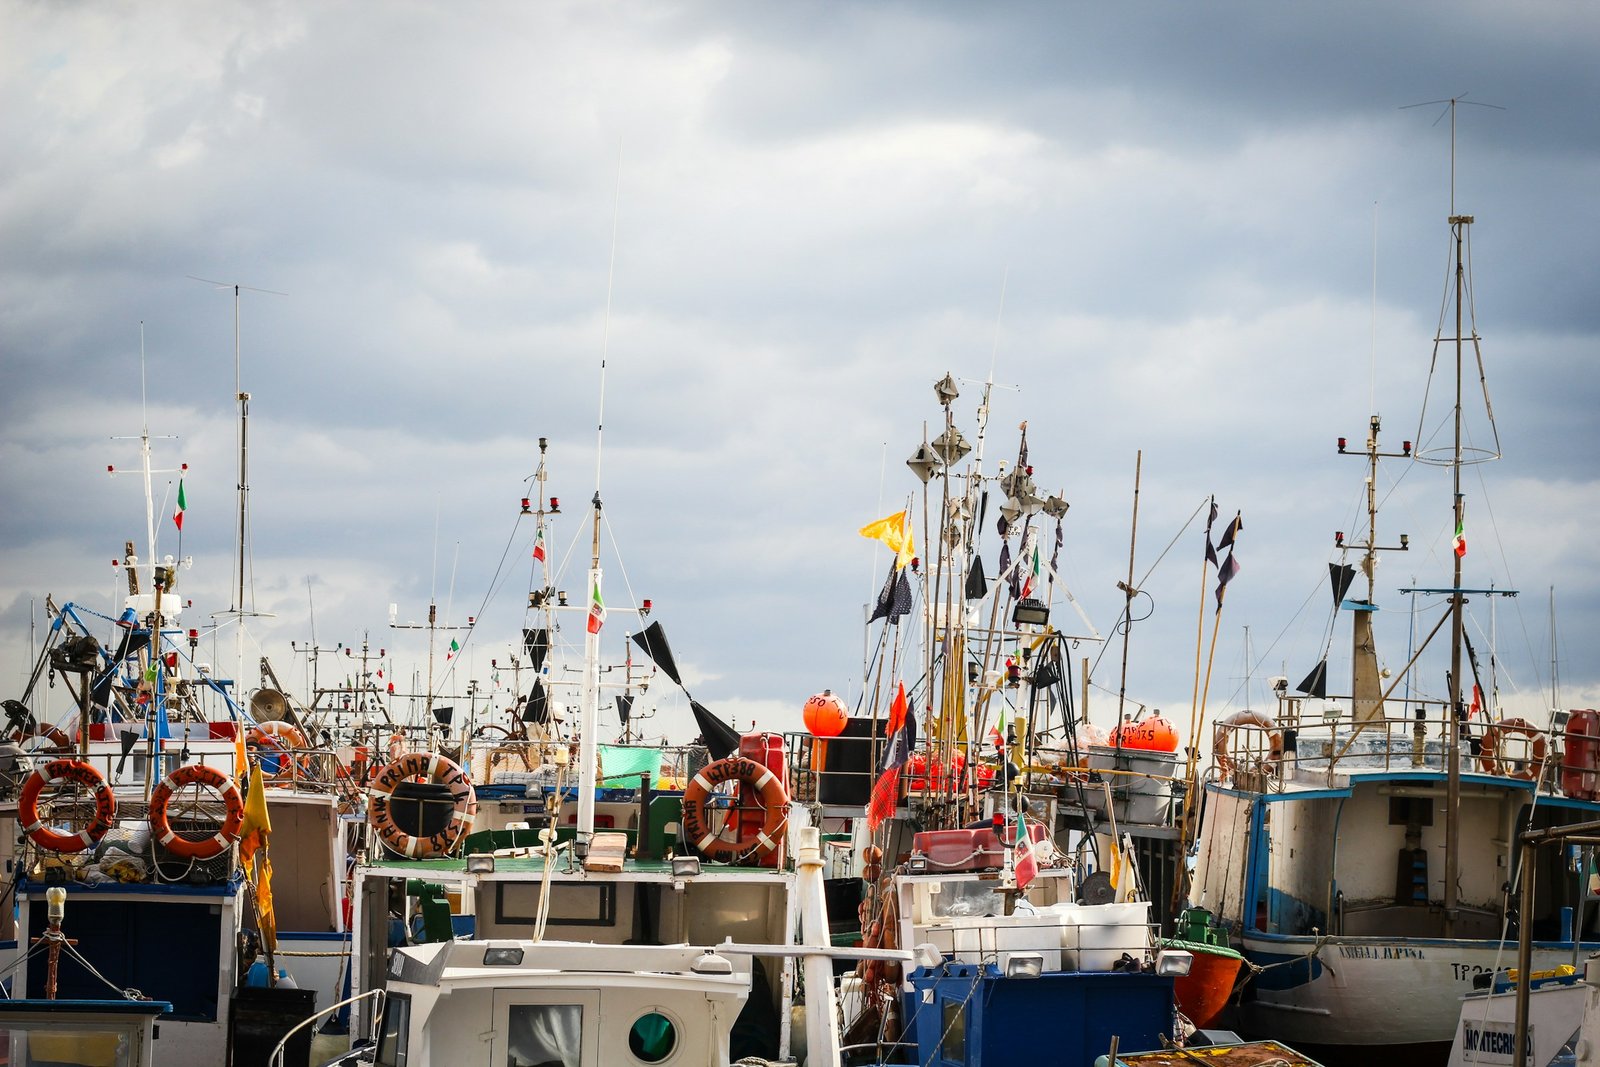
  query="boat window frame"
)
[{"x": 586, "y": 998}]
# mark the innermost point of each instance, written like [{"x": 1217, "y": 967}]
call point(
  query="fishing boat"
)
[
  {"x": 1360, "y": 846},
  {"x": 132, "y": 804},
  {"x": 590, "y": 862},
  {"x": 990, "y": 827}
]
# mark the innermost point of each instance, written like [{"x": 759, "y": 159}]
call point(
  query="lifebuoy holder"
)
[
  {"x": 1220, "y": 751},
  {"x": 770, "y": 794},
  {"x": 58, "y": 772},
  {"x": 1492, "y": 762},
  {"x": 439, "y": 769},
  {"x": 207, "y": 847}
]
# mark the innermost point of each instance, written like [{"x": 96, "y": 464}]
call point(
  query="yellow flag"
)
[
  {"x": 894, "y": 531},
  {"x": 257, "y": 825},
  {"x": 253, "y": 834}
]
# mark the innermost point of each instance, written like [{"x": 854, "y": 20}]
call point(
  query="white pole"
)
[{"x": 822, "y": 1004}]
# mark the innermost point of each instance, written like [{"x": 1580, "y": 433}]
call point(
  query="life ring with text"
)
[
  {"x": 770, "y": 794},
  {"x": 282, "y": 739},
  {"x": 59, "y": 772},
  {"x": 1224, "y": 732},
  {"x": 438, "y": 769},
  {"x": 1492, "y": 762},
  {"x": 207, "y": 847}
]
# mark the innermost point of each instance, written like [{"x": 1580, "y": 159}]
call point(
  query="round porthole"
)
[{"x": 652, "y": 1038}]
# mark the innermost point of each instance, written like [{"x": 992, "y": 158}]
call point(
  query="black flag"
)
[
  {"x": 895, "y": 599},
  {"x": 624, "y": 707},
  {"x": 653, "y": 640},
  {"x": 721, "y": 740},
  {"x": 1340, "y": 575},
  {"x": 537, "y": 707},
  {"x": 977, "y": 584},
  {"x": 1211, "y": 553},
  {"x": 537, "y": 642},
  {"x": 1316, "y": 683}
]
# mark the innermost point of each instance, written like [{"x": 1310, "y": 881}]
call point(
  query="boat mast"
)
[
  {"x": 589, "y": 713},
  {"x": 1452, "y": 833}
]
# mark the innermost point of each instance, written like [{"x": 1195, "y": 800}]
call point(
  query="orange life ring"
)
[
  {"x": 774, "y": 800},
  {"x": 1224, "y": 730},
  {"x": 205, "y": 848},
  {"x": 54, "y": 773},
  {"x": 439, "y": 769},
  {"x": 59, "y": 742},
  {"x": 1492, "y": 762},
  {"x": 284, "y": 738}
]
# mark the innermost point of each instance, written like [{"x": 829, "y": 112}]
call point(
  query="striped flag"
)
[
  {"x": 538, "y": 546},
  {"x": 183, "y": 504},
  {"x": 597, "y": 607}
]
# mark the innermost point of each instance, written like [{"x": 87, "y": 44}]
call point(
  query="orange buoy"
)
[
  {"x": 1154, "y": 734},
  {"x": 825, "y": 715}
]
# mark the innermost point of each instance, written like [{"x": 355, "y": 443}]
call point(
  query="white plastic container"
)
[
  {"x": 1105, "y": 932},
  {"x": 994, "y": 938}
]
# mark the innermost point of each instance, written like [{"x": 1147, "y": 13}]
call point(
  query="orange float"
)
[
  {"x": 825, "y": 715},
  {"x": 1154, "y": 734}
]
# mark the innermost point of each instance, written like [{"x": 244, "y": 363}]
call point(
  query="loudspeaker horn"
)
[{"x": 269, "y": 705}]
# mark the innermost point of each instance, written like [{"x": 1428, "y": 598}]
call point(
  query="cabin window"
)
[
  {"x": 652, "y": 1038},
  {"x": 544, "y": 1035},
  {"x": 953, "y": 1043},
  {"x": 394, "y": 1030}
]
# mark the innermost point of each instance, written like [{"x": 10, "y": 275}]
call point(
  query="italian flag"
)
[
  {"x": 183, "y": 503},
  {"x": 1460, "y": 542},
  {"x": 455, "y": 646},
  {"x": 538, "y": 547},
  {"x": 1031, "y": 581},
  {"x": 597, "y": 608}
]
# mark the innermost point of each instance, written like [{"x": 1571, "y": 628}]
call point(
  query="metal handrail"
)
[{"x": 276, "y": 1059}]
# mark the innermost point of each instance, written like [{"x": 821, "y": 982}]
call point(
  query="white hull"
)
[{"x": 1373, "y": 991}]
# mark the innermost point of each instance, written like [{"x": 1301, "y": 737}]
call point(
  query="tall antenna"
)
[{"x": 241, "y": 439}]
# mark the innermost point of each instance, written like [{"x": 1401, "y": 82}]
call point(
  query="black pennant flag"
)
[
  {"x": 895, "y": 599},
  {"x": 720, "y": 739},
  {"x": 1340, "y": 575},
  {"x": 977, "y": 584},
  {"x": 653, "y": 640},
  {"x": 1316, "y": 683},
  {"x": 537, "y": 707},
  {"x": 624, "y": 707},
  {"x": 537, "y": 642}
]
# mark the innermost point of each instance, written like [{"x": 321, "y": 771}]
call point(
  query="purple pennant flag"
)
[
  {"x": 1231, "y": 532},
  {"x": 1225, "y": 573},
  {"x": 1211, "y": 553}
]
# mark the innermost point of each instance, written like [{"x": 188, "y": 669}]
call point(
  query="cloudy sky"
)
[{"x": 1211, "y": 232}]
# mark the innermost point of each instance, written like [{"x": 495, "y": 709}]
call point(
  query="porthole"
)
[{"x": 652, "y": 1038}]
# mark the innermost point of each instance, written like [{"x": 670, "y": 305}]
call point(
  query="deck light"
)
[
  {"x": 1027, "y": 965},
  {"x": 502, "y": 955},
  {"x": 56, "y": 903},
  {"x": 1174, "y": 962},
  {"x": 480, "y": 863},
  {"x": 685, "y": 866},
  {"x": 917, "y": 864},
  {"x": 1030, "y": 612}
]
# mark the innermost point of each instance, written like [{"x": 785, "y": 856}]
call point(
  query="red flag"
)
[{"x": 886, "y": 790}]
